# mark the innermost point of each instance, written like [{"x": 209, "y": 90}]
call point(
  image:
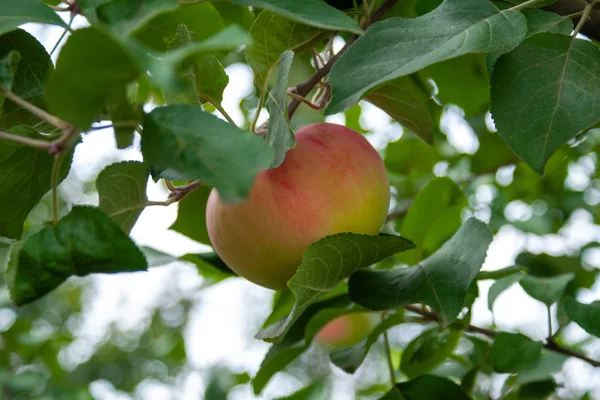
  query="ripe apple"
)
[
  {"x": 347, "y": 330},
  {"x": 333, "y": 181}
]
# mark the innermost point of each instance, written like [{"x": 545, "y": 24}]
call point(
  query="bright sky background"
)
[{"x": 226, "y": 316}]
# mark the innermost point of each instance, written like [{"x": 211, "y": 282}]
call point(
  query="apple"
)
[
  {"x": 347, "y": 330},
  {"x": 332, "y": 181}
]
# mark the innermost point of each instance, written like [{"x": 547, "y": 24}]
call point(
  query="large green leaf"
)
[
  {"x": 25, "y": 177},
  {"x": 279, "y": 135},
  {"x": 325, "y": 263},
  {"x": 397, "y": 47},
  {"x": 191, "y": 216},
  {"x": 549, "y": 364},
  {"x": 548, "y": 290},
  {"x": 441, "y": 281},
  {"x": 206, "y": 78},
  {"x": 29, "y": 79},
  {"x": 432, "y": 218},
  {"x": 201, "y": 146},
  {"x": 85, "y": 241},
  {"x": 272, "y": 35},
  {"x": 90, "y": 67},
  {"x": 585, "y": 315},
  {"x": 18, "y": 12},
  {"x": 203, "y": 20},
  {"x": 122, "y": 191},
  {"x": 407, "y": 102},
  {"x": 127, "y": 16},
  {"x": 426, "y": 387},
  {"x": 514, "y": 352},
  {"x": 539, "y": 21},
  {"x": 310, "y": 12},
  {"x": 544, "y": 93}
]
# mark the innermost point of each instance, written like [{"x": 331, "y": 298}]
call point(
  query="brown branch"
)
[
  {"x": 550, "y": 343},
  {"x": 304, "y": 88},
  {"x": 568, "y": 7},
  {"x": 177, "y": 193}
]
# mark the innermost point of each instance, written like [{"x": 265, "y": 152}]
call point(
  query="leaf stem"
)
[
  {"x": 220, "y": 109},
  {"x": 304, "y": 88},
  {"x": 524, "y": 5},
  {"x": 587, "y": 11},
  {"x": 67, "y": 29},
  {"x": 177, "y": 193},
  {"x": 549, "y": 313},
  {"x": 388, "y": 355},
  {"x": 58, "y": 159},
  {"x": 261, "y": 101},
  {"x": 59, "y": 123},
  {"x": 37, "y": 143},
  {"x": 550, "y": 343}
]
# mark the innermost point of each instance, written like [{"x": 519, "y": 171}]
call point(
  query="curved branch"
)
[{"x": 567, "y": 7}]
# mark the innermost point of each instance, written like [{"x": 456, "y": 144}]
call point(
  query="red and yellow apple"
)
[
  {"x": 332, "y": 181},
  {"x": 347, "y": 330}
]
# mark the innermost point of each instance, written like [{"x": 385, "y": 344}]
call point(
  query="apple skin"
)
[
  {"x": 347, "y": 330},
  {"x": 332, "y": 181}
]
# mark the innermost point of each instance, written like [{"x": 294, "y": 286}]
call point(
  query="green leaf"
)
[
  {"x": 198, "y": 145},
  {"x": 547, "y": 290},
  {"x": 325, "y": 263},
  {"x": 127, "y": 16},
  {"x": 410, "y": 156},
  {"x": 191, "y": 216},
  {"x": 279, "y": 135},
  {"x": 298, "y": 338},
  {"x": 549, "y": 364},
  {"x": 432, "y": 218},
  {"x": 209, "y": 266},
  {"x": 586, "y": 316},
  {"x": 85, "y": 241},
  {"x": 90, "y": 67},
  {"x": 514, "y": 352},
  {"x": 272, "y": 35},
  {"x": 453, "y": 76},
  {"x": 397, "y": 47},
  {"x": 426, "y": 387},
  {"x": 539, "y": 21},
  {"x": 441, "y": 281},
  {"x": 166, "y": 70},
  {"x": 206, "y": 77},
  {"x": 352, "y": 357},
  {"x": 315, "y": 391},
  {"x": 122, "y": 191},
  {"x": 408, "y": 103},
  {"x": 233, "y": 14},
  {"x": 501, "y": 285},
  {"x": 18, "y": 12},
  {"x": 29, "y": 78},
  {"x": 492, "y": 154},
  {"x": 25, "y": 177},
  {"x": 310, "y": 12},
  {"x": 124, "y": 117},
  {"x": 544, "y": 93},
  {"x": 428, "y": 350},
  {"x": 203, "y": 20},
  {"x": 8, "y": 67}
]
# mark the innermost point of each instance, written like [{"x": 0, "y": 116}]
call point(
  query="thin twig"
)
[
  {"x": 587, "y": 11},
  {"x": 58, "y": 159},
  {"x": 67, "y": 30},
  {"x": 549, "y": 313},
  {"x": 524, "y": 5},
  {"x": 59, "y": 123},
  {"x": 177, "y": 193},
  {"x": 388, "y": 354},
  {"x": 304, "y": 88},
  {"x": 37, "y": 143},
  {"x": 220, "y": 109},
  {"x": 550, "y": 343}
]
